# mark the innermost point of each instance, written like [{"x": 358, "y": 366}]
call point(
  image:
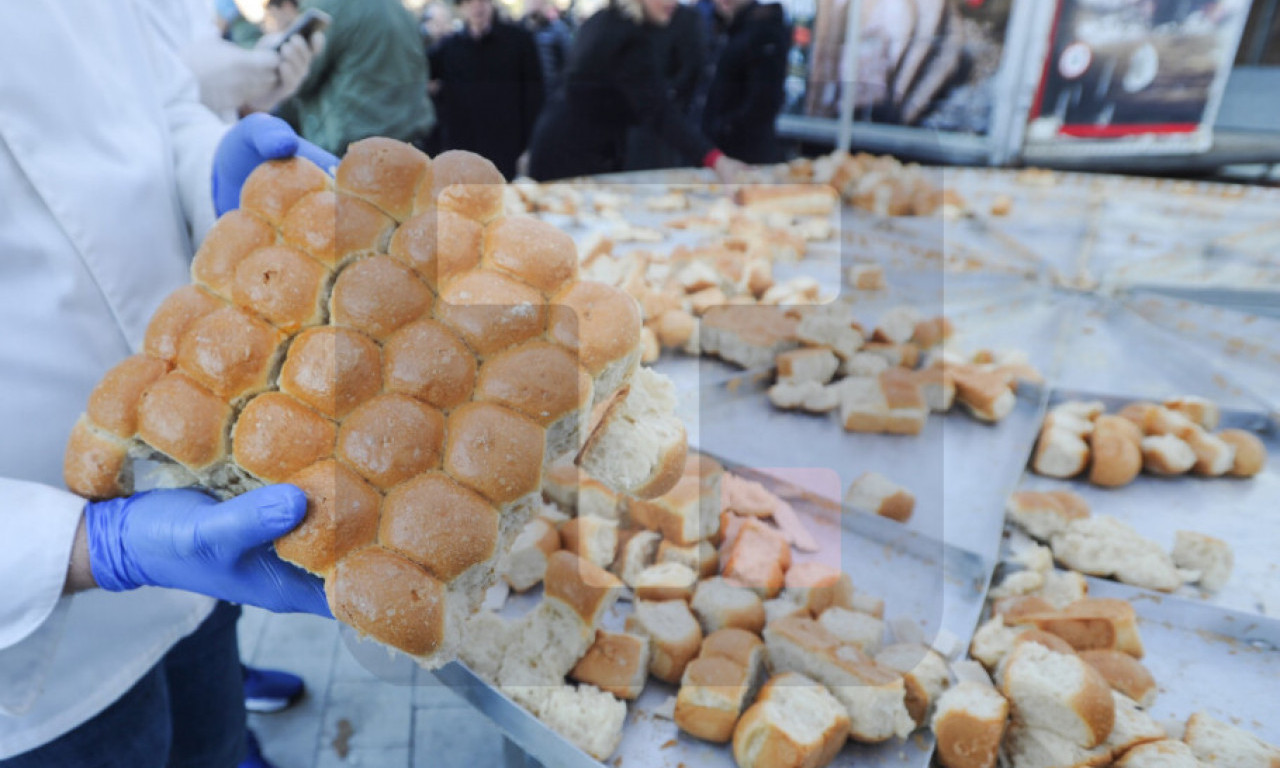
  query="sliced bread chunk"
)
[
  {"x": 616, "y": 662},
  {"x": 831, "y": 328},
  {"x": 1060, "y": 453},
  {"x": 1217, "y": 743},
  {"x": 818, "y": 586},
  {"x": 1026, "y": 747},
  {"x": 591, "y": 538},
  {"x": 876, "y": 494},
  {"x": 713, "y": 692},
  {"x": 924, "y": 672},
  {"x": 815, "y": 364},
  {"x": 684, "y": 515},
  {"x": 905, "y": 399},
  {"x": 863, "y": 407},
  {"x": 1105, "y": 546},
  {"x": 1095, "y": 623},
  {"x": 969, "y": 723},
  {"x": 852, "y": 628},
  {"x": 587, "y": 716},
  {"x": 1124, "y": 674},
  {"x": 666, "y": 581},
  {"x": 1117, "y": 454},
  {"x": 719, "y": 604},
  {"x": 526, "y": 563},
  {"x": 1214, "y": 456},
  {"x": 637, "y": 550},
  {"x": 1165, "y": 753},
  {"x": 984, "y": 393},
  {"x": 795, "y": 723},
  {"x": 1199, "y": 410},
  {"x": 1251, "y": 454},
  {"x": 1045, "y": 513},
  {"x": 757, "y": 558},
  {"x": 700, "y": 556},
  {"x": 1058, "y": 692},
  {"x": 674, "y": 632},
  {"x": 897, "y": 325},
  {"x": 639, "y": 447},
  {"x": 1166, "y": 455},
  {"x": 1212, "y": 557}
]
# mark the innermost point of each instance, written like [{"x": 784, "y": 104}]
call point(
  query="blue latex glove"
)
[
  {"x": 252, "y": 141},
  {"x": 184, "y": 539}
]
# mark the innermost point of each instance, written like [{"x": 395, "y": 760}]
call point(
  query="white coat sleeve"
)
[{"x": 37, "y": 528}]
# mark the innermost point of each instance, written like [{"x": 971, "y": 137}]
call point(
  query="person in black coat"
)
[
  {"x": 490, "y": 86},
  {"x": 681, "y": 48},
  {"x": 746, "y": 93},
  {"x": 612, "y": 83}
]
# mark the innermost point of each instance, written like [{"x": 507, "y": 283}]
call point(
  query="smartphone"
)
[{"x": 310, "y": 22}]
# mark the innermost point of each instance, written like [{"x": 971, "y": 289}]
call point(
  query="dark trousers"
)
[{"x": 187, "y": 712}]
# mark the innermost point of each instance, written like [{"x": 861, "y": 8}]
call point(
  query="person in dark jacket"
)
[
  {"x": 746, "y": 93},
  {"x": 681, "y": 48},
  {"x": 553, "y": 38},
  {"x": 613, "y": 83},
  {"x": 490, "y": 86}
]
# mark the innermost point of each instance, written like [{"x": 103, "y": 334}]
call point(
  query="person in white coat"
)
[{"x": 106, "y": 163}]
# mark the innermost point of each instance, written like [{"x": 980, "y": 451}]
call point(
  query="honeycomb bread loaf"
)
[{"x": 393, "y": 345}]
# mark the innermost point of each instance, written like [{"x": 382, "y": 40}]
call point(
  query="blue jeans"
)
[{"x": 187, "y": 712}]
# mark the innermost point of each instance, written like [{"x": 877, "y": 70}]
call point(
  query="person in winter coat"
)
[
  {"x": 614, "y": 82},
  {"x": 746, "y": 93},
  {"x": 553, "y": 38}
]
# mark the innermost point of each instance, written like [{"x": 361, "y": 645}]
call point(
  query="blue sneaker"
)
[
  {"x": 270, "y": 690},
  {"x": 253, "y": 753}
]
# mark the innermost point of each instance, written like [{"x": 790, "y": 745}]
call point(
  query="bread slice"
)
[
  {"x": 1040, "y": 637},
  {"x": 985, "y": 394},
  {"x": 1067, "y": 420},
  {"x": 865, "y": 365},
  {"x": 637, "y": 550},
  {"x": 1251, "y": 454},
  {"x": 588, "y": 590},
  {"x": 1166, "y": 455},
  {"x": 852, "y": 628},
  {"x": 1045, "y": 513},
  {"x": 1199, "y": 410},
  {"x": 592, "y": 538},
  {"x": 809, "y": 364},
  {"x": 1165, "y": 753},
  {"x": 906, "y": 355},
  {"x": 1104, "y": 546},
  {"x": 684, "y": 515},
  {"x": 526, "y": 563},
  {"x": 1217, "y": 743},
  {"x": 832, "y": 329},
  {"x": 876, "y": 494},
  {"x": 1117, "y": 458},
  {"x": 485, "y": 637},
  {"x": 1095, "y": 623},
  {"x": 924, "y": 673},
  {"x": 1210, "y": 556},
  {"x": 757, "y": 558},
  {"x": 795, "y": 722},
  {"x": 992, "y": 642},
  {"x": 818, "y": 586},
  {"x": 863, "y": 407},
  {"x": 543, "y": 646},
  {"x": 937, "y": 386},
  {"x": 674, "y": 632},
  {"x": 666, "y": 581},
  {"x": 1124, "y": 674},
  {"x": 1214, "y": 456},
  {"x": 1061, "y": 588},
  {"x": 700, "y": 556},
  {"x": 897, "y": 325},
  {"x": 587, "y": 716},
  {"x": 1159, "y": 420},
  {"x": 1016, "y": 610},
  {"x": 719, "y": 604},
  {"x": 712, "y": 695},
  {"x": 639, "y": 447},
  {"x": 784, "y": 606},
  {"x": 1060, "y": 453},
  {"x": 616, "y": 662},
  {"x": 743, "y": 648},
  {"x": 969, "y": 723},
  {"x": 866, "y": 277},
  {"x": 791, "y": 395},
  {"x": 1059, "y": 693},
  {"x": 905, "y": 399},
  {"x": 1026, "y": 747},
  {"x": 748, "y": 336},
  {"x": 1080, "y": 409}
]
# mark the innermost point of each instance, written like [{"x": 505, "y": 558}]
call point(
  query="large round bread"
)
[{"x": 391, "y": 344}]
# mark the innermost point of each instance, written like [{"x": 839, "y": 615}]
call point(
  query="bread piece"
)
[
  {"x": 852, "y": 628},
  {"x": 818, "y": 586},
  {"x": 866, "y": 365},
  {"x": 937, "y": 387},
  {"x": 665, "y": 581},
  {"x": 701, "y": 557},
  {"x": 587, "y": 589},
  {"x": 637, "y": 550},
  {"x": 866, "y": 277},
  {"x": 96, "y": 464},
  {"x": 832, "y": 329},
  {"x": 876, "y": 494},
  {"x": 932, "y": 332},
  {"x": 1095, "y": 623},
  {"x": 588, "y": 717},
  {"x": 795, "y": 723},
  {"x": 897, "y": 325},
  {"x": 485, "y": 637},
  {"x": 601, "y": 325},
  {"x": 378, "y": 294},
  {"x": 1027, "y": 747},
  {"x": 1163, "y": 421},
  {"x": 985, "y": 394},
  {"x": 1217, "y": 743},
  {"x": 392, "y": 599},
  {"x": 1199, "y": 410},
  {"x": 462, "y": 182},
  {"x": 231, "y": 353},
  {"x": 906, "y": 355},
  {"x": 544, "y": 383},
  {"x": 186, "y": 422},
  {"x": 1040, "y": 637},
  {"x": 1059, "y": 693},
  {"x": 684, "y": 515},
  {"x": 1214, "y": 456},
  {"x": 526, "y": 563},
  {"x": 1061, "y": 588},
  {"x": 1070, "y": 422},
  {"x": 1103, "y": 546},
  {"x": 905, "y": 400},
  {"x": 272, "y": 193},
  {"x": 1015, "y": 610},
  {"x": 639, "y": 447},
  {"x": 1117, "y": 460},
  {"x": 874, "y": 696},
  {"x": 1250, "y": 454},
  {"x": 792, "y": 199},
  {"x": 675, "y": 634},
  {"x": 543, "y": 646},
  {"x": 1165, "y": 753},
  {"x": 616, "y": 662},
  {"x": 1060, "y": 453},
  {"x": 1045, "y": 513},
  {"x": 748, "y": 336},
  {"x": 342, "y": 516},
  {"x": 757, "y": 558},
  {"x": 1166, "y": 455},
  {"x": 785, "y": 605},
  {"x": 1132, "y": 726},
  {"x": 719, "y": 604},
  {"x": 793, "y": 395},
  {"x": 969, "y": 723},
  {"x": 924, "y": 672},
  {"x": 743, "y": 648},
  {"x": 991, "y": 642},
  {"x": 713, "y": 692},
  {"x": 1124, "y": 674},
  {"x": 1210, "y": 556},
  {"x": 810, "y": 364},
  {"x": 863, "y": 407},
  {"x": 591, "y": 538}
]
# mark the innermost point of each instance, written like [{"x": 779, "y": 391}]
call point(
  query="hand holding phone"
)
[{"x": 310, "y": 22}]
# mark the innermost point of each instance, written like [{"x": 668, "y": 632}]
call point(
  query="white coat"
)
[{"x": 105, "y": 160}]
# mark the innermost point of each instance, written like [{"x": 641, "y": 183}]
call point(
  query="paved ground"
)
[{"x": 371, "y": 712}]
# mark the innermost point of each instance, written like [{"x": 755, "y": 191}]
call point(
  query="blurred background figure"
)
[
  {"x": 490, "y": 89},
  {"x": 438, "y": 22},
  {"x": 553, "y": 38},
  {"x": 681, "y": 51},
  {"x": 746, "y": 93},
  {"x": 234, "y": 27},
  {"x": 370, "y": 80},
  {"x": 613, "y": 82}
]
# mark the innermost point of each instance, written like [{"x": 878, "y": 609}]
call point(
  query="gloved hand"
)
[
  {"x": 231, "y": 77},
  {"x": 184, "y": 539},
  {"x": 294, "y": 61},
  {"x": 251, "y": 142}
]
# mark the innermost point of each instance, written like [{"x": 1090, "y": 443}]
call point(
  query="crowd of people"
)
[{"x": 637, "y": 85}]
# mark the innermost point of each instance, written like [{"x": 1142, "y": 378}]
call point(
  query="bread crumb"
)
[
  {"x": 668, "y": 744},
  {"x": 342, "y": 742}
]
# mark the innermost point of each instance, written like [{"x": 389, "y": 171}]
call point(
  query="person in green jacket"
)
[{"x": 370, "y": 79}]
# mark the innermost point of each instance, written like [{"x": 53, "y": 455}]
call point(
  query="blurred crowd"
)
[{"x": 547, "y": 90}]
